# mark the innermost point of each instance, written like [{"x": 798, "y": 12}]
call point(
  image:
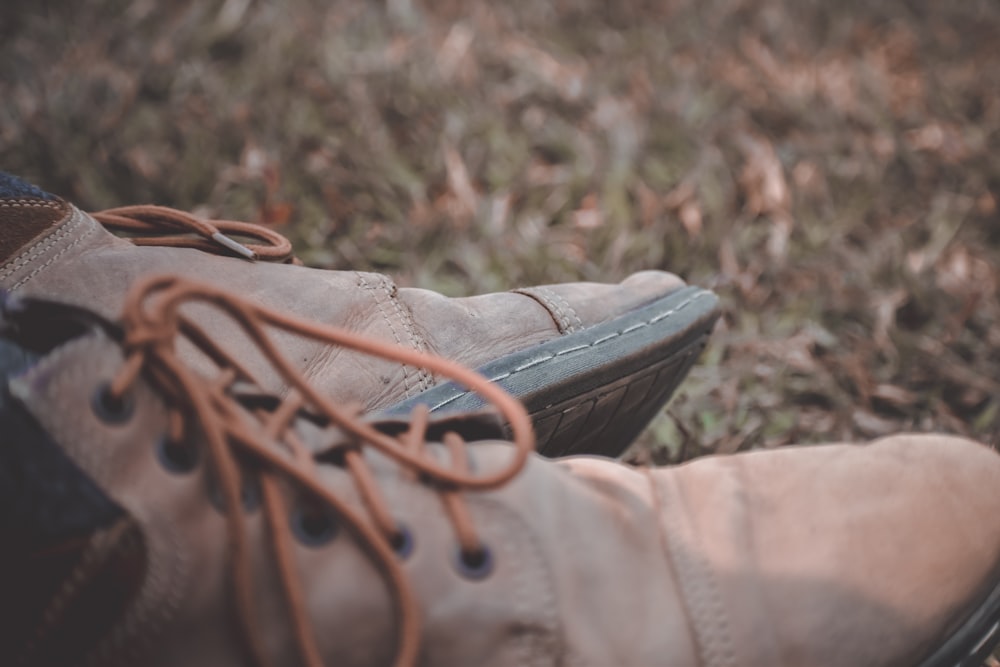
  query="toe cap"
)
[
  {"x": 574, "y": 306},
  {"x": 477, "y": 329},
  {"x": 843, "y": 554}
]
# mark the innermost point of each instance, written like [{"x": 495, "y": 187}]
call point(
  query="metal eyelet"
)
[
  {"x": 313, "y": 526},
  {"x": 111, "y": 409},
  {"x": 474, "y": 565},
  {"x": 176, "y": 457},
  {"x": 402, "y": 541}
]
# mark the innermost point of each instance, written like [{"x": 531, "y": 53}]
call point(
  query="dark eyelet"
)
[
  {"x": 313, "y": 526},
  {"x": 177, "y": 457},
  {"x": 402, "y": 541},
  {"x": 111, "y": 409},
  {"x": 474, "y": 565},
  {"x": 250, "y": 494}
]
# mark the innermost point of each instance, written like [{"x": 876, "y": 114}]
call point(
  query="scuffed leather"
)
[
  {"x": 829, "y": 556},
  {"x": 79, "y": 262}
]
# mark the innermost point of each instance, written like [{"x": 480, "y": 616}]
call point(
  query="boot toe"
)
[
  {"x": 843, "y": 554},
  {"x": 574, "y": 306}
]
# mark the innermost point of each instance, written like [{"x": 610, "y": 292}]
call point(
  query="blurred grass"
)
[{"x": 829, "y": 168}]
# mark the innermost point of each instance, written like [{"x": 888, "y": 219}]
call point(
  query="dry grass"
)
[{"x": 830, "y": 168}]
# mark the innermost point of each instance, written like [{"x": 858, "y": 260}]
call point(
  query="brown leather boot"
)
[
  {"x": 206, "y": 523},
  {"x": 592, "y": 362}
]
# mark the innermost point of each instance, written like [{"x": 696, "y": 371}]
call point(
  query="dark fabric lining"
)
[
  {"x": 12, "y": 187},
  {"x": 44, "y": 497}
]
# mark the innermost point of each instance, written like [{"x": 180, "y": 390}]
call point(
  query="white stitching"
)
[
  {"x": 607, "y": 338},
  {"x": 557, "y": 306},
  {"x": 535, "y": 362},
  {"x": 424, "y": 377},
  {"x": 364, "y": 284},
  {"x": 29, "y": 255},
  {"x": 76, "y": 219},
  {"x": 30, "y": 203},
  {"x": 562, "y": 306}
]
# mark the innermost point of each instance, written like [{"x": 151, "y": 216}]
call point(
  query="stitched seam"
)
[
  {"x": 659, "y": 505},
  {"x": 573, "y": 319},
  {"x": 676, "y": 566},
  {"x": 557, "y": 307},
  {"x": 547, "y": 300},
  {"x": 31, "y": 255},
  {"x": 699, "y": 589},
  {"x": 364, "y": 284},
  {"x": 57, "y": 605},
  {"x": 406, "y": 317},
  {"x": 156, "y": 604},
  {"x": 583, "y": 346},
  {"x": 29, "y": 203},
  {"x": 531, "y": 590}
]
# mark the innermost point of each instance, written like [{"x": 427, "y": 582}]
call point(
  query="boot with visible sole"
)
[
  {"x": 153, "y": 517},
  {"x": 592, "y": 362}
]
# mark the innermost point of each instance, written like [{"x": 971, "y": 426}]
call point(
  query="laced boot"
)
[
  {"x": 592, "y": 362},
  {"x": 210, "y": 523}
]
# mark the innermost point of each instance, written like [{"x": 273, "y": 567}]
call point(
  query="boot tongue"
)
[
  {"x": 25, "y": 213},
  {"x": 72, "y": 558}
]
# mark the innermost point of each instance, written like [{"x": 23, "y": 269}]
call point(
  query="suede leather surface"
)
[
  {"x": 836, "y": 556},
  {"x": 77, "y": 261},
  {"x": 822, "y": 556}
]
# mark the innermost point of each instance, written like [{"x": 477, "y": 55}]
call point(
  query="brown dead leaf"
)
[
  {"x": 567, "y": 78},
  {"x": 766, "y": 190},
  {"x": 895, "y": 396},
  {"x": 690, "y": 215},
  {"x": 728, "y": 264},
  {"x": 459, "y": 182},
  {"x": 451, "y": 56},
  {"x": 986, "y": 204},
  {"x": 650, "y": 205},
  {"x": 683, "y": 200},
  {"x": 946, "y": 140},
  {"x": 961, "y": 272},
  {"x": 589, "y": 214},
  {"x": 886, "y": 305},
  {"x": 276, "y": 213},
  {"x": 871, "y": 424}
]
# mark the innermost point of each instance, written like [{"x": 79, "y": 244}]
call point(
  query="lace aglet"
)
[{"x": 235, "y": 246}]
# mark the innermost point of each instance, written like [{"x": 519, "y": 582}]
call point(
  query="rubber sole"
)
[
  {"x": 594, "y": 390},
  {"x": 974, "y": 640}
]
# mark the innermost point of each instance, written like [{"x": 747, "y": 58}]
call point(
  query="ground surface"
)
[{"x": 831, "y": 169}]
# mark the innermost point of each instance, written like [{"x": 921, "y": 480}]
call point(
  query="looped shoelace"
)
[
  {"x": 163, "y": 226},
  {"x": 153, "y": 323}
]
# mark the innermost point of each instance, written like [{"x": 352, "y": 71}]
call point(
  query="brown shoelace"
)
[
  {"x": 153, "y": 324},
  {"x": 163, "y": 226}
]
